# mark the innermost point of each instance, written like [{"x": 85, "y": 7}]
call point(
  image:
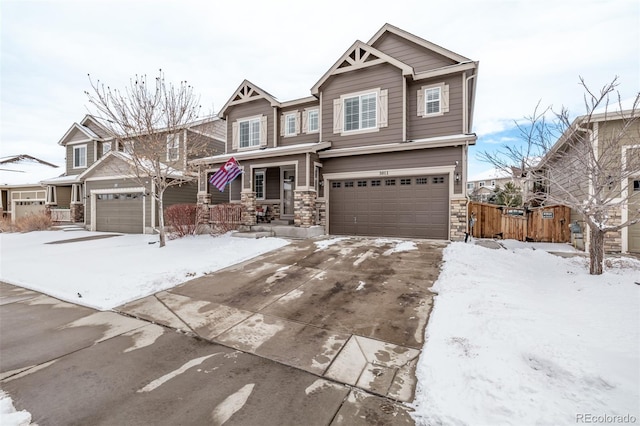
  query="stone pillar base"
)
[
  {"x": 304, "y": 210},
  {"x": 76, "y": 212},
  {"x": 458, "y": 220},
  {"x": 248, "y": 201}
]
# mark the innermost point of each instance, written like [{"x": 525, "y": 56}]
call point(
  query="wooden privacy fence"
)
[{"x": 543, "y": 224}]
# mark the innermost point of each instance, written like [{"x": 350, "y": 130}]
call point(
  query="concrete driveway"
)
[
  {"x": 298, "y": 336},
  {"x": 353, "y": 312}
]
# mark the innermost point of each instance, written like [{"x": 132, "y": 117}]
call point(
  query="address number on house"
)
[{"x": 384, "y": 172}]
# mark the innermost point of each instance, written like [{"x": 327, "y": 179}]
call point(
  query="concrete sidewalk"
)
[{"x": 353, "y": 313}]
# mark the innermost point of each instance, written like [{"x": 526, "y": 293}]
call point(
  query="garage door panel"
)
[
  {"x": 412, "y": 206},
  {"x": 119, "y": 213}
]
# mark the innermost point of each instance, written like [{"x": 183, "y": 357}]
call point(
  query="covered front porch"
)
[{"x": 282, "y": 190}]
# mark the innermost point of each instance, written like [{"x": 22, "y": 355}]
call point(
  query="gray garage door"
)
[
  {"x": 119, "y": 213},
  {"x": 634, "y": 230},
  {"x": 412, "y": 206}
]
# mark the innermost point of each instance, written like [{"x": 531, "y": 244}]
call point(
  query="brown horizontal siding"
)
[
  {"x": 91, "y": 146},
  {"x": 76, "y": 135},
  {"x": 416, "y": 56},
  {"x": 96, "y": 129},
  {"x": 115, "y": 184},
  {"x": 249, "y": 109},
  {"x": 301, "y": 137},
  {"x": 383, "y": 76},
  {"x": 449, "y": 123}
]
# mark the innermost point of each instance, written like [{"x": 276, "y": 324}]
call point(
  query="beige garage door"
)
[
  {"x": 634, "y": 230},
  {"x": 25, "y": 208},
  {"x": 412, "y": 206},
  {"x": 119, "y": 213}
]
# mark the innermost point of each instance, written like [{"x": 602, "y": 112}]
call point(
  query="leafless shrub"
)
[
  {"x": 6, "y": 225},
  {"x": 183, "y": 220},
  {"x": 33, "y": 222}
]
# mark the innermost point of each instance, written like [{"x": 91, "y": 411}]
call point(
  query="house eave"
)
[
  {"x": 438, "y": 142},
  {"x": 264, "y": 153}
]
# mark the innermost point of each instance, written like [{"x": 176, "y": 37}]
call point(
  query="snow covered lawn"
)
[
  {"x": 109, "y": 272},
  {"x": 523, "y": 337}
]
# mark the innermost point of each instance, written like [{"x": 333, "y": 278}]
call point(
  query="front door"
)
[{"x": 288, "y": 185}]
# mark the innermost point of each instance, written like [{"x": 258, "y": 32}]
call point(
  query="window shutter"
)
[
  {"x": 282, "y": 124},
  {"x": 383, "y": 108},
  {"x": 337, "y": 116},
  {"x": 445, "y": 98},
  {"x": 297, "y": 123},
  {"x": 235, "y": 136},
  {"x": 421, "y": 103},
  {"x": 305, "y": 122},
  {"x": 263, "y": 130}
]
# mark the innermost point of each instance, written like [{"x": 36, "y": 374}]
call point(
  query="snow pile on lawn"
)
[
  {"x": 523, "y": 337},
  {"x": 8, "y": 414},
  {"x": 105, "y": 273}
]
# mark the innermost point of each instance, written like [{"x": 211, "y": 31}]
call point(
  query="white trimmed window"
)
[
  {"x": 106, "y": 147},
  {"x": 433, "y": 100},
  {"x": 312, "y": 121},
  {"x": 249, "y": 133},
  {"x": 173, "y": 147},
  {"x": 360, "y": 112},
  {"x": 79, "y": 156},
  {"x": 259, "y": 184},
  {"x": 290, "y": 124},
  {"x": 471, "y": 185},
  {"x": 481, "y": 184},
  {"x": 493, "y": 183}
]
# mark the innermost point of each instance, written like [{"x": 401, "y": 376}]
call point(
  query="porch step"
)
[
  {"x": 68, "y": 226},
  {"x": 253, "y": 234},
  {"x": 282, "y": 222}
]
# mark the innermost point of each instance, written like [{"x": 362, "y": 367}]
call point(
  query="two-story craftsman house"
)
[
  {"x": 100, "y": 189},
  {"x": 378, "y": 149}
]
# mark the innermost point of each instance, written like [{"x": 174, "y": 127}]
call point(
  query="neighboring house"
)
[
  {"x": 20, "y": 190},
  {"x": 600, "y": 126},
  {"x": 482, "y": 186},
  {"x": 99, "y": 188},
  {"x": 379, "y": 148}
]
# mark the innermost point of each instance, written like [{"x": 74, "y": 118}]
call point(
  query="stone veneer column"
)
[
  {"x": 304, "y": 208},
  {"x": 204, "y": 200},
  {"x": 458, "y": 220},
  {"x": 613, "y": 240},
  {"x": 248, "y": 201},
  {"x": 76, "y": 211}
]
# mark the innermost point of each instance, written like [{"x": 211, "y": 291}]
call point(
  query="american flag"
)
[{"x": 226, "y": 174}]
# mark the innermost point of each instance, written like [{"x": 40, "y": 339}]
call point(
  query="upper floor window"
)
[
  {"x": 106, "y": 147},
  {"x": 481, "y": 184},
  {"x": 312, "y": 121},
  {"x": 173, "y": 147},
  {"x": 290, "y": 124},
  {"x": 249, "y": 133},
  {"x": 360, "y": 112},
  {"x": 471, "y": 185},
  {"x": 493, "y": 183},
  {"x": 433, "y": 100},
  {"x": 79, "y": 156}
]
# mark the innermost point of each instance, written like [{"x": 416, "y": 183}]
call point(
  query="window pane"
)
[
  {"x": 351, "y": 114},
  {"x": 290, "y": 125},
  {"x": 255, "y": 132},
  {"x": 259, "y": 185},
  {"x": 432, "y": 99},
  {"x": 313, "y": 121},
  {"x": 244, "y": 134},
  {"x": 369, "y": 111}
]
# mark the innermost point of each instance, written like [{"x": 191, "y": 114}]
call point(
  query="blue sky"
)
[{"x": 528, "y": 51}]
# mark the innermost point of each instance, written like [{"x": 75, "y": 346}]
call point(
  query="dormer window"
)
[{"x": 79, "y": 157}]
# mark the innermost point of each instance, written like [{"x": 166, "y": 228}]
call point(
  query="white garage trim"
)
[
  {"x": 95, "y": 192},
  {"x": 24, "y": 196},
  {"x": 414, "y": 171}
]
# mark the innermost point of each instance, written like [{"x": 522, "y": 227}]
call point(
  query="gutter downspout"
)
[{"x": 465, "y": 125}]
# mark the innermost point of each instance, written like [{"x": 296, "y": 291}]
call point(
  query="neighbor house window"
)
[
  {"x": 259, "y": 184},
  {"x": 360, "y": 112},
  {"x": 173, "y": 147},
  {"x": 480, "y": 184},
  {"x": 312, "y": 121},
  {"x": 290, "y": 125},
  {"x": 249, "y": 133},
  {"x": 79, "y": 156},
  {"x": 471, "y": 185},
  {"x": 493, "y": 183}
]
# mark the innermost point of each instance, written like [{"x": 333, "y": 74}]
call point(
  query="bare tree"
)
[
  {"x": 588, "y": 164},
  {"x": 149, "y": 121}
]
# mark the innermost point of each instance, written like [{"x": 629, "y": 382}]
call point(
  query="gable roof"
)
[
  {"x": 247, "y": 92},
  {"x": 145, "y": 165},
  {"x": 77, "y": 127},
  {"x": 24, "y": 170},
  {"x": 22, "y": 158},
  {"x": 419, "y": 41},
  {"x": 97, "y": 121},
  {"x": 360, "y": 55}
]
